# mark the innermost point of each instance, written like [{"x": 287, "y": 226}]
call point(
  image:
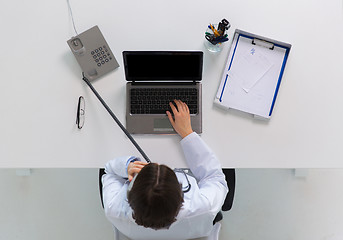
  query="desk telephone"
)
[
  {"x": 96, "y": 59},
  {"x": 93, "y": 53}
]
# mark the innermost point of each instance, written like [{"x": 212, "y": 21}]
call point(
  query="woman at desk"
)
[{"x": 151, "y": 201}]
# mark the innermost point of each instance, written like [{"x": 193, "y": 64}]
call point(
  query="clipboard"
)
[{"x": 252, "y": 74}]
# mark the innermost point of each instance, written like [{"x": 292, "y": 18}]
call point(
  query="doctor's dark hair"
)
[{"x": 156, "y": 197}]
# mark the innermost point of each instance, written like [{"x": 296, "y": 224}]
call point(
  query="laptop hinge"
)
[{"x": 162, "y": 83}]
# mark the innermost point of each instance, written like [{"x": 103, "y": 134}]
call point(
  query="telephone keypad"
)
[{"x": 101, "y": 55}]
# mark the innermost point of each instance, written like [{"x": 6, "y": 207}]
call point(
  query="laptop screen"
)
[{"x": 163, "y": 65}]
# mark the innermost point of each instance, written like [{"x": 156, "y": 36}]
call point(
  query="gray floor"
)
[{"x": 64, "y": 204}]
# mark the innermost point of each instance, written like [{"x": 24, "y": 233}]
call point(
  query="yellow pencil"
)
[{"x": 214, "y": 31}]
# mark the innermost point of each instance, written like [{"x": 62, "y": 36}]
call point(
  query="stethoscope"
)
[{"x": 188, "y": 187}]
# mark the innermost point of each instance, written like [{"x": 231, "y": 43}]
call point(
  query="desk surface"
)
[{"x": 41, "y": 82}]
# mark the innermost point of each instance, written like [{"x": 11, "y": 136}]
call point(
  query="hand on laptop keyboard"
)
[
  {"x": 182, "y": 120},
  {"x": 156, "y": 100}
]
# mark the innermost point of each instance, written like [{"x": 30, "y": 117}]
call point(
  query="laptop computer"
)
[{"x": 154, "y": 79}]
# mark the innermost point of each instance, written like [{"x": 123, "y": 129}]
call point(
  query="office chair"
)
[
  {"x": 101, "y": 172},
  {"x": 230, "y": 177}
]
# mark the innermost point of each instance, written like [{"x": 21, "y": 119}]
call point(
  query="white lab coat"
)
[{"x": 200, "y": 206}]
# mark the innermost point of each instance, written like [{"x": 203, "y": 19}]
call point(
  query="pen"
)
[
  {"x": 214, "y": 31},
  {"x": 219, "y": 35}
]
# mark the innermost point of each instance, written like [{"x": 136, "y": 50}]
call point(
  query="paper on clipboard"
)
[
  {"x": 252, "y": 76},
  {"x": 258, "y": 65}
]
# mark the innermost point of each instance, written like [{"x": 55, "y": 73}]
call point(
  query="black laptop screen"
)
[{"x": 157, "y": 65}]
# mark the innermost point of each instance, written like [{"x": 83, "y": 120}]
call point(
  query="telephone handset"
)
[{"x": 93, "y": 53}]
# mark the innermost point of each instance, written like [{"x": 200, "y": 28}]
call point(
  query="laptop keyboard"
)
[{"x": 156, "y": 100}]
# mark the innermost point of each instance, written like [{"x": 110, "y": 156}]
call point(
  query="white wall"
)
[{"x": 272, "y": 204}]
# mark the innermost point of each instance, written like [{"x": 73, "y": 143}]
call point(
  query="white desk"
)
[{"x": 41, "y": 82}]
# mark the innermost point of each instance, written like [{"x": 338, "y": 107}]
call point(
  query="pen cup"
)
[{"x": 212, "y": 46}]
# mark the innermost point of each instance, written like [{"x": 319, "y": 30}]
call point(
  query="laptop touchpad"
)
[{"x": 162, "y": 124}]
